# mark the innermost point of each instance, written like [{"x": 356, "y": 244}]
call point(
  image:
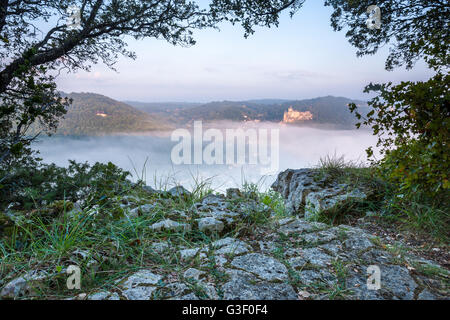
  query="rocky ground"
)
[
  {"x": 287, "y": 257},
  {"x": 302, "y": 260}
]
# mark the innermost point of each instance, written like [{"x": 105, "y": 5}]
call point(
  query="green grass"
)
[
  {"x": 45, "y": 236},
  {"x": 118, "y": 246},
  {"x": 410, "y": 212},
  {"x": 339, "y": 290},
  {"x": 115, "y": 242},
  {"x": 419, "y": 215}
]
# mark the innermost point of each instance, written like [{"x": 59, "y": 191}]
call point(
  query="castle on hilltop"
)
[{"x": 292, "y": 115}]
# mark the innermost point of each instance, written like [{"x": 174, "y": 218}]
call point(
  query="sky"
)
[{"x": 303, "y": 58}]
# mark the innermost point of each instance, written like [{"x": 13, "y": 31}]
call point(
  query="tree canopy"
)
[
  {"x": 411, "y": 119},
  {"x": 413, "y": 29},
  {"x": 103, "y": 24},
  {"x": 38, "y": 36}
]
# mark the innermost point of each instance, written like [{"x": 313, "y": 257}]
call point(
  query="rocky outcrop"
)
[
  {"x": 210, "y": 225},
  {"x": 284, "y": 258},
  {"x": 170, "y": 225},
  {"x": 309, "y": 194},
  {"x": 179, "y": 192},
  {"x": 315, "y": 262},
  {"x": 23, "y": 285}
]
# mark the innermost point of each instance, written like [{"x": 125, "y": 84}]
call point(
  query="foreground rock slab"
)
[
  {"x": 237, "y": 246},
  {"x": 313, "y": 261}
]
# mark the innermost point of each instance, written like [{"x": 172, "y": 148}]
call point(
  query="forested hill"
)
[
  {"x": 323, "y": 110},
  {"x": 94, "y": 114}
]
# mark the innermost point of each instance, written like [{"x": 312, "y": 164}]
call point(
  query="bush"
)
[
  {"x": 415, "y": 167},
  {"x": 412, "y": 121},
  {"x": 37, "y": 186}
]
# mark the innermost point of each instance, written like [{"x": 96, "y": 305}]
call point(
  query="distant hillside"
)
[
  {"x": 93, "y": 114},
  {"x": 324, "y": 110},
  {"x": 169, "y": 111},
  {"x": 225, "y": 110},
  {"x": 333, "y": 110},
  {"x": 151, "y": 107}
]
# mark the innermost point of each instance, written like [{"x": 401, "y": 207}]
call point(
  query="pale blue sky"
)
[{"x": 302, "y": 58}]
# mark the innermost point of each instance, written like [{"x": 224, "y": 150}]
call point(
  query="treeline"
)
[
  {"x": 94, "y": 114},
  {"x": 330, "y": 110}
]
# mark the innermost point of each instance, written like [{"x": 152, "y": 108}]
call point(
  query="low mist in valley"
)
[{"x": 148, "y": 155}]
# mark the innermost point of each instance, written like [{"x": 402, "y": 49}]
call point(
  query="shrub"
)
[
  {"x": 35, "y": 186},
  {"x": 412, "y": 121}
]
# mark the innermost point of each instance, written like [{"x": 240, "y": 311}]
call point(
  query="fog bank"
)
[{"x": 299, "y": 147}]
